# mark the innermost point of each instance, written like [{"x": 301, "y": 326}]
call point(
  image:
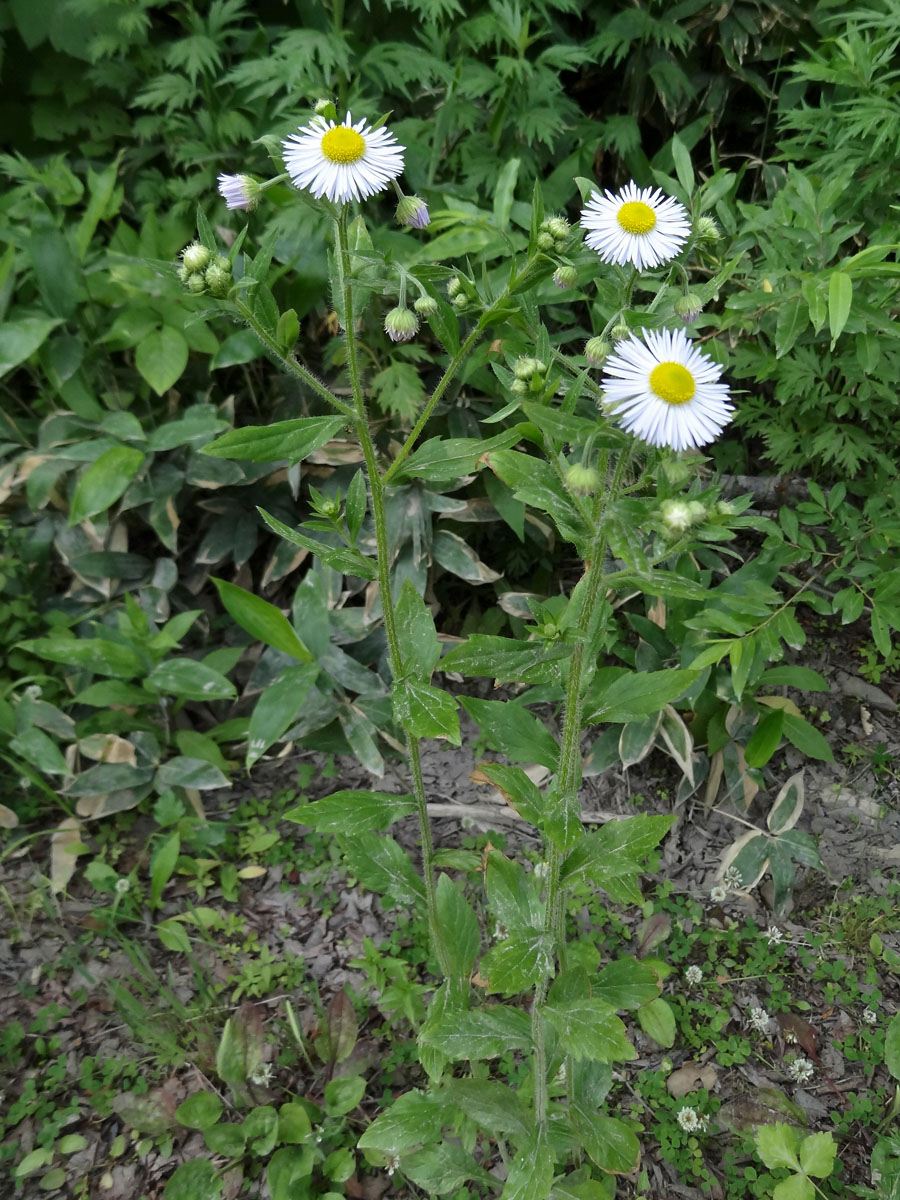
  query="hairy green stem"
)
[
  {"x": 395, "y": 654},
  {"x": 292, "y": 365}
]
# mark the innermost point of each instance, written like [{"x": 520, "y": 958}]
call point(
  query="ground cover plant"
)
[{"x": 531, "y": 351}]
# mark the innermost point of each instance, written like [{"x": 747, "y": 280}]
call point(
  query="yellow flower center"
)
[
  {"x": 672, "y": 382},
  {"x": 343, "y": 145},
  {"x": 636, "y": 217}
]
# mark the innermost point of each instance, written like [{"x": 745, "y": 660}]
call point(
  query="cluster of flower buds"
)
[
  {"x": 401, "y": 324},
  {"x": 461, "y": 292},
  {"x": 707, "y": 230},
  {"x": 554, "y": 235},
  {"x": 679, "y": 515},
  {"x": 412, "y": 212},
  {"x": 530, "y": 376},
  {"x": 200, "y": 272}
]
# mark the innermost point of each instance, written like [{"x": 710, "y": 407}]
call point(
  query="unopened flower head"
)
[
  {"x": 688, "y": 307},
  {"x": 717, "y": 894},
  {"x": 239, "y": 191},
  {"x": 708, "y": 230},
  {"x": 426, "y": 306},
  {"x": 195, "y": 257},
  {"x": 583, "y": 481},
  {"x": 413, "y": 212},
  {"x": 774, "y": 936},
  {"x": 801, "y": 1070},
  {"x": 666, "y": 391},
  {"x": 596, "y": 351},
  {"x": 758, "y": 1019},
  {"x": 526, "y": 368},
  {"x": 557, "y": 227},
  {"x": 676, "y": 515},
  {"x": 565, "y": 277},
  {"x": 342, "y": 162},
  {"x": 640, "y": 226},
  {"x": 196, "y": 283},
  {"x": 218, "y": 279},
  {"x": 401, "y": 324},
  {"x": 693, "y": 975}
]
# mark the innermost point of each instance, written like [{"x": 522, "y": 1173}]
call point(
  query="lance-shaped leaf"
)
[
  {"x": 354, "y": 812},
  {"x": 277, "y": 707},
  {"x": 459, "y": 927},
  {"x": 383, "y": 866},
  {"x": 426, "y": 711},
  {"x": 611, "y": 856},
  {"x": 518, "y": 962},
  {"x": 516, "y": 788},
  {"x": 534, "y": 482},
  {"x": 261, "y": 620},
  {"x": 626, "y": 983},
  {"x": 104, "y": 481},
  {"x": 493, "y": 1106},
  {"x": 608, "y": 1142},
  {"x": 418, "y": 637},
  {"x": 291, "y": 440},
  {"x": 589, "y": 1028},
  {"x": 531, "y": 1173},
  {"x": 505, "y": 659},
  {"x": 443, "y": 1168},
  {"x": 340, "y": 558},
  {"x": 412, "y": 1120},
  {"x": 449, "y": 458},
  {"x": 512, "y": 894},
  {"x": 514, "y": 731},
  {"x": 479, "y": 1033},
  {"x": 636, "y": 695}
]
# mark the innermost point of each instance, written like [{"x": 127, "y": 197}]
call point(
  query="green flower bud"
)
[
  {"x": 558, "y": 227},
  {"x": 195, "y": 257},
  {"x": 461, "y": 301},
  {"x": 561, "y": 245},
  {"x": 582, "y": 480},
  {"x": 565, "y": 277},
  {"x": 708, "y": 230},
  {"x": 618, "y": 333},
  {"x": 519, "y": 387},
  {"x": 546, "y": 241},
  {"x": 401, "y": 325},
  {"x": 525, "y": 367},
  {"x": 218, "y": 281},
  {"x": 454, "y": 287},
  {"x": 676, "y": 515},
  {"x": 724, "y": 508},
  {"x": 426, "y": 306},
  {"x": 196, "y": 284},
  {"x": 688, "y": 307},
  {"x": 698, "y": 511},
  {"x": 413, "y": 212},
  {"x": 184, "y": 273},
  {"x": 596, "y": 350}
]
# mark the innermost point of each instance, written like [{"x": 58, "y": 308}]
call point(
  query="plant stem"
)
[
  {"x": 568, "y": 778},
  {"x": 292, "y": 365},
  {"x": 395, "y": 655}
]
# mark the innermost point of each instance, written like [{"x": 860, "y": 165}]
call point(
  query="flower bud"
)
[
  {"x": 195, "y": 257},
  {"x": 519, "y": 387},
  {"x": 196, "y": 284},
  {"x": 557, "y": 227},
  {"x": 596, "y": 350},
  {"x": 326, "y": 109},
  {"x": 708, "y": 230},
  {"x": 565, "y": 277},
  {"x": 688, "y": 307},
  {"x": 525, "y": 367},
  {"x": 561, "y": 245},
  {"x": 582, "y": 480},
  {"x": 724, "y": 508},
  {"x": 412, "y": 212},
  {"x": 218, "y": 281},
  {"x": 676, "y": 515},
  {"x": 239, "y": 191},
  {"x": 426, "y": 306},
  {"x": 698, "y": 511},
  {"x": 461, "y": 301},
  {"x": 184, "y": 273},
  {"x": 454, "y": 287},
  {"x": 546, "y": 241},
  {"x": 618, "y": 333},
  {"x": 401, "y": 325}
]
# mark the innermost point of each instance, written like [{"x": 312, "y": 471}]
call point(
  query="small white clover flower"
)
[
  {"x": 691, "y": 1121},
  {"x": 774, "y": 936},
  {"x": 343, "y": 162},
  {"x": 693, "y": 975},
  {"x": 636, "y": 225},
  {"x": 801, "y": 1070},
  {"x": 123, "y": 885},
  {"x": 758, "y": 1019},
  {"x": 718, "y": 894},
  {"x": 732, "y": 878},
  {"x": 665, "y": 391},
  {"x": 870, "y": 1016}
]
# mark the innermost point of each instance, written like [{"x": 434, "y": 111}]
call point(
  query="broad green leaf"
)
[
  {"x": 517, "y": 962},
  {"x": 658, "y": 1021},
  {"x": 104, "y": 481},
  {"x": 261, "y": 620},
  {"x": 512, "y": 894},
  {"x": 636, "y": 695},
  {"x": 443, "y": 1168},
  {"x": 795, "y": 1187},
  {"x": 354, "y": 812},
  {"x": 608, "y": 1142},
  {"x": 382, "y": 866},
  {"x": 185, "y": 772},
  {"x": 162, "y": 865},
  {"x": 293, "y": 1123},
  {"x": 513, "y": 731},
  {"x": 21, "y": 336},
  {"x": 340, "y": 558},
  {"x": 617, "y": 843},
  {"x": 441, "y": 459},
  {"x": 793, "y": 317},
  {"x": 190, "y": 679},
  {"x": 455, "y": 555},
  {"x": 418, "y": 637},
  {"x": 277, "y": 708},
  {"x": 765, "y": 740},
  {"x": 817, "y": 1151},
  {"x": 196, "y": 1179},
  {"x": 479, "y": 1033},
  {"x": 788, "y": 805},
  {"x": 41, "y": 751},
  {"x": 200, "y": 1111},
  {"x": 459, "y": 927},
  {"x": 531, "y": 1173},
  {"x": 803, "y": 678},
  {"x": 777, "y": 1146},
  {"x": 806, "y": 738},
  {"x": 261, "y": 1128},
  {"x": 290, "y": 440},
  {"x": 109, "y": 777},
  {"x": 626, "y": 983},
  {"x": 161, "y": 358},
  {"x": 343, "y": 1094},
  {"x": 840, "y": 300},
  {"x": 229, "y": 1140},
  {"x": 503, "y": 659},
  {"x": 683, "y": 169},
  {"x": 493, "y": 1106},
  {"x": 589, "y": 1028},
  {"x": 534, "y": 482},
  {"x": 892, "y": 1047},
  {"x": 412, "y": 1119},
  {"x": 56, "y": 271},
  {"x": 519, "y": 792},
  {"x": 287, "y": 1172},
  {"x": 426, "y": 711}
]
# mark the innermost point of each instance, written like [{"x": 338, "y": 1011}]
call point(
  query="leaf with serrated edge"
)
[
  {"x": 590, "y": 1029},
  {"x": 480, "y": 1033},
  {"x": 412, "y": 1120}
]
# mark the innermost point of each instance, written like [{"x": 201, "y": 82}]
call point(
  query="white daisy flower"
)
[
  {"x": 343, "y": 162},
  {"x": 636, "y": 225},
  {"x": 239, "y": 191},
  {"x": 665, "y": 391}
]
